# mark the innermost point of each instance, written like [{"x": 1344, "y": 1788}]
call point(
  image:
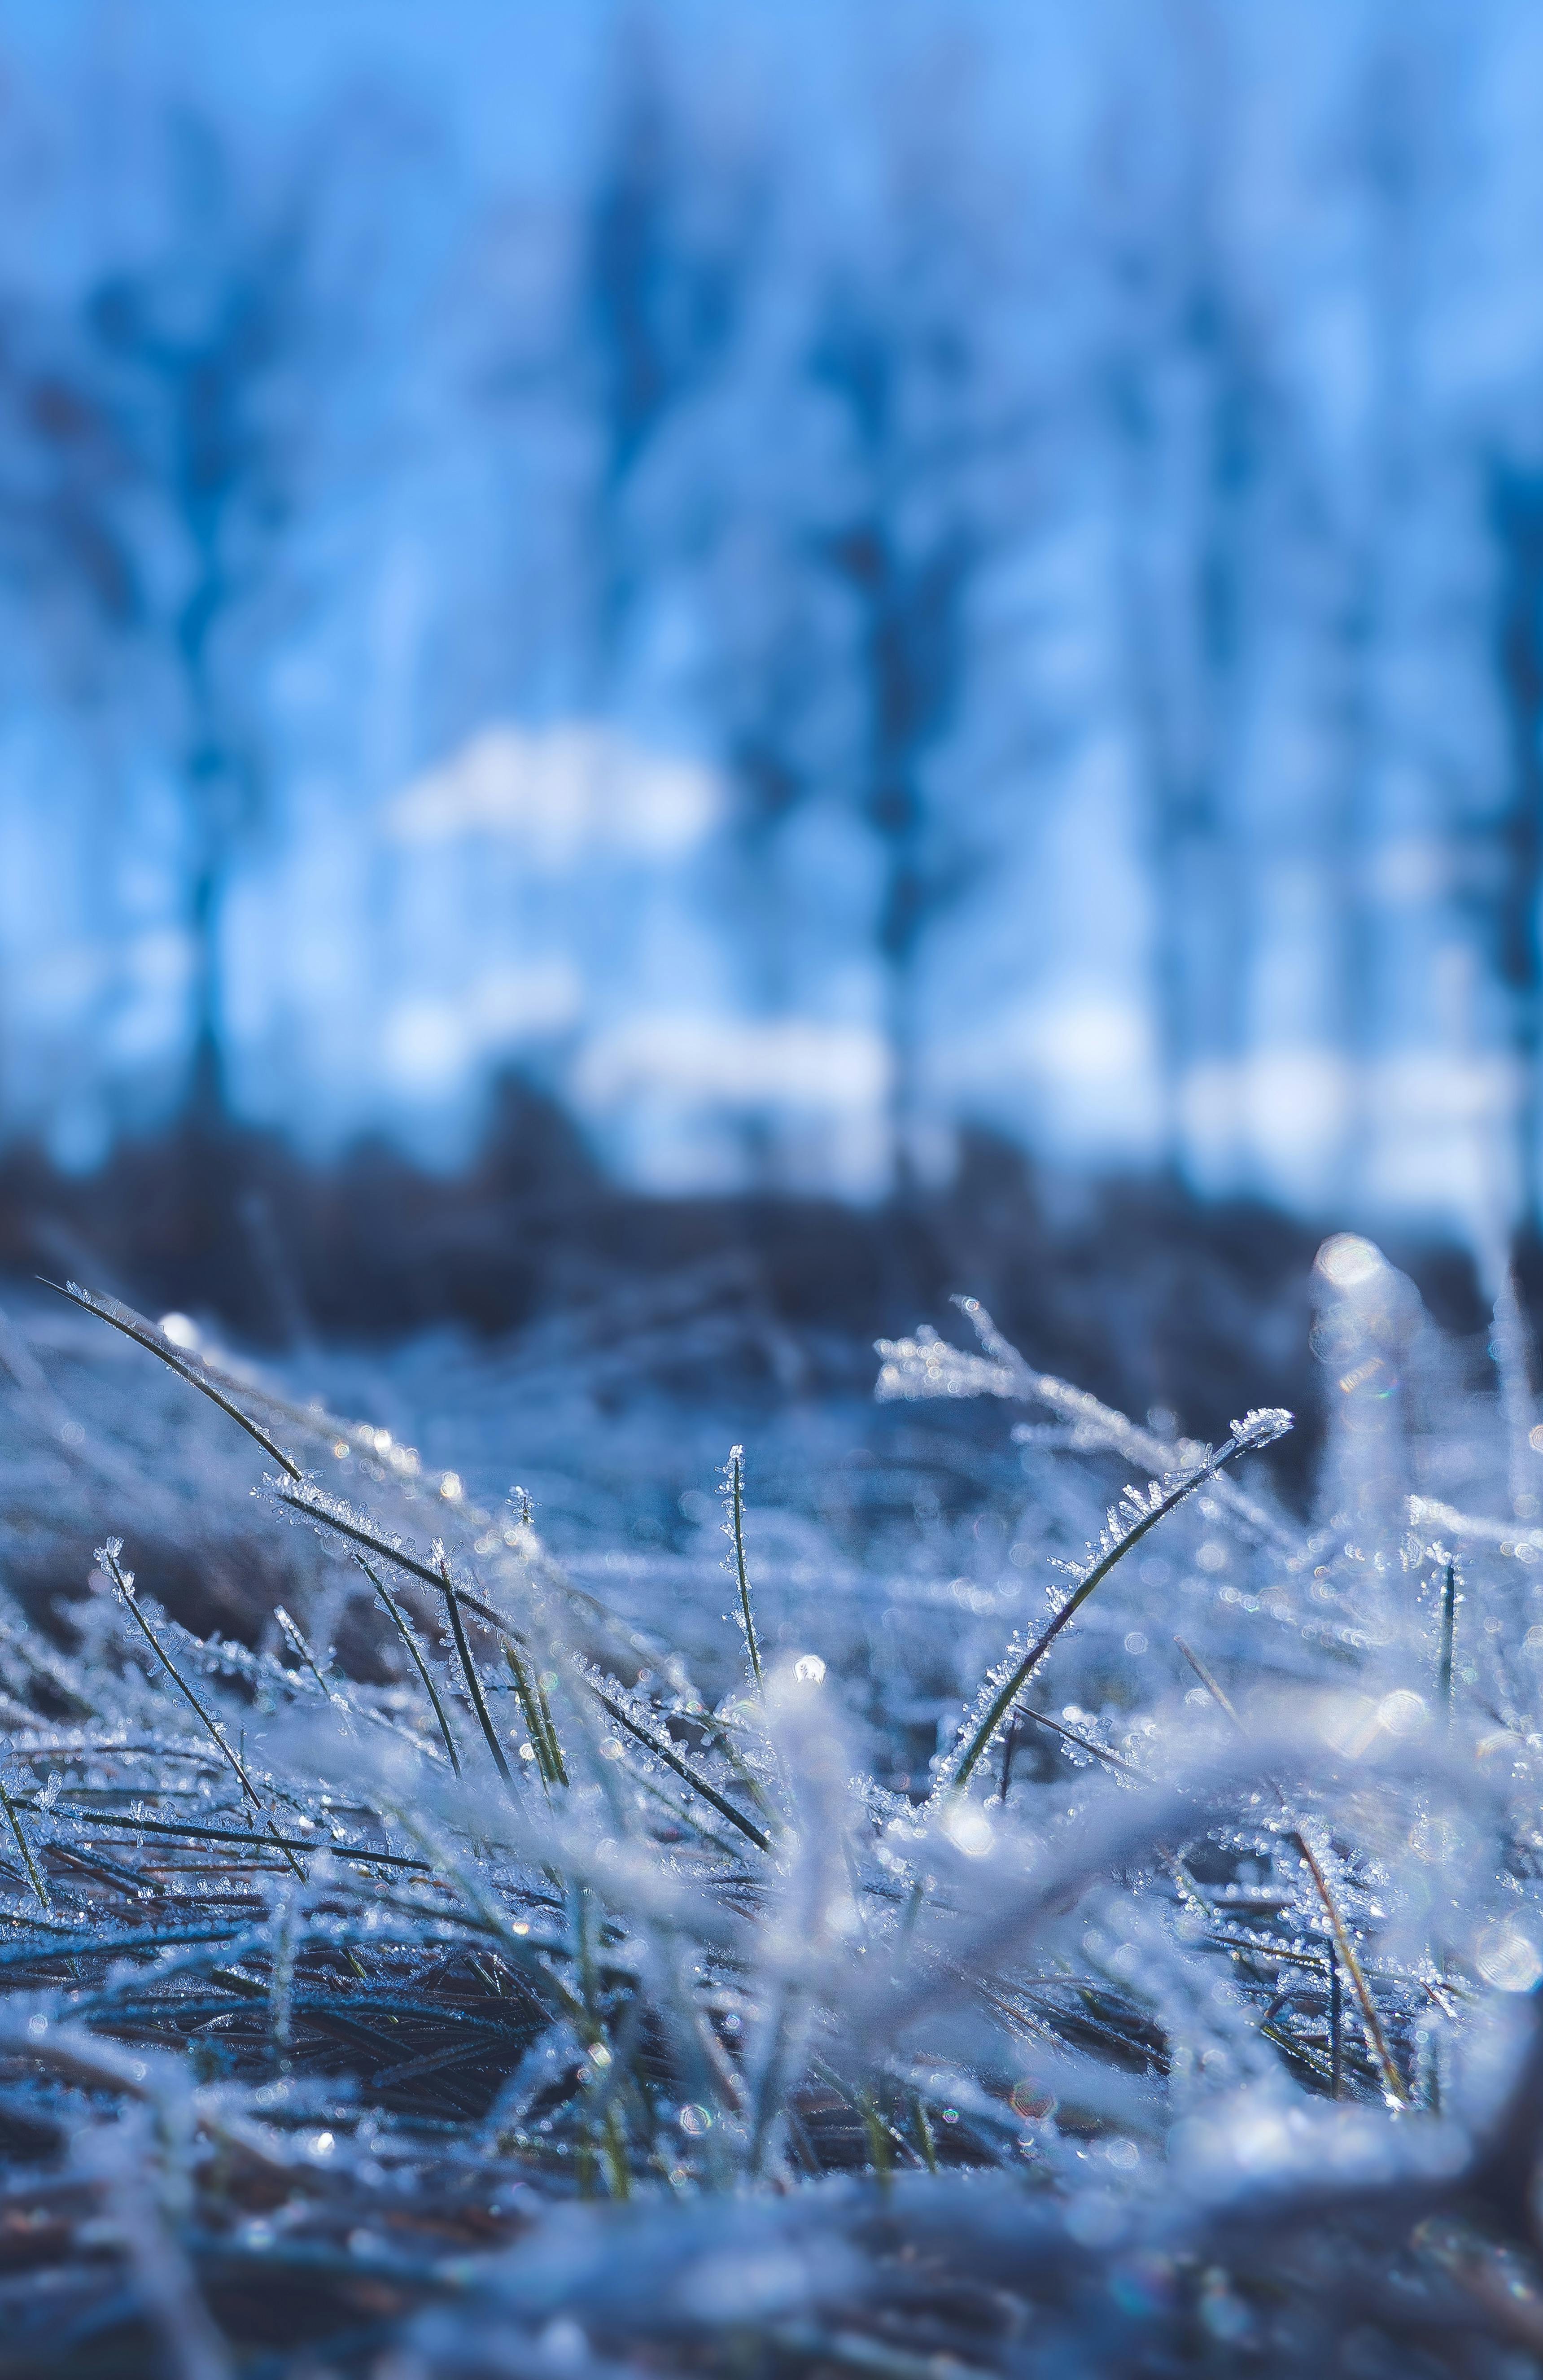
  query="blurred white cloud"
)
[
  {"x": 428, "y": 1045},
  {"x": 739, "y": 1062},
  {"x": 562, "y": 794}
]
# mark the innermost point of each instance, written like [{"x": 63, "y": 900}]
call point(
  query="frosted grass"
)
[{"x": 1021, "y": 1900}]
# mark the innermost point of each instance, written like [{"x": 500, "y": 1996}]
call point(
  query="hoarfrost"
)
[{"x": 935, "y": 1924}]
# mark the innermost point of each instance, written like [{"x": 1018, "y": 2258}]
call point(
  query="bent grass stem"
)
[
  {"x": 144, "y": 1334},
  {"x": 1007, "y": 1695}
]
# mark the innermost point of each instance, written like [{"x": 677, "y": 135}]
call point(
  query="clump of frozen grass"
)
[{"x": 971, "y": 1912}]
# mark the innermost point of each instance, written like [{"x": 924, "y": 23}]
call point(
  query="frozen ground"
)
[{"x": 501, "y": 1957}]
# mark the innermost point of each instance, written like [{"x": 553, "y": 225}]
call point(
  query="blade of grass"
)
[
  {"x": 280, "y": 1982},
  {"x": 349, "y": 1526},
  {"x": 1114, "y": 1429},
  {"x": 1377, "y": 2042},
  {"x": 24, "y": 1848},
  {"x": 555, "y": 1746},
  {"x": 664, "y": 1751},
  {"x": 297, "y": 1639},
  {"x": 144, "y": 1334},
  {"x": 107, "y": 1556},
  {"x": 1449, "y": 1638},
  {"x": 737, "y": 1501},
  {"x": 323, "y": 1510},
  {"x": 682, "y": 1814},
  {"x": 410, "y": 1641},
  {"x": 927, "y": 2140},
  {"x": 537, "y": 1719},
  {"x": 473, "y": 1682},
  {"x": 186, "y": 1829},
  {"x": 1244, "y": 1439},
  {"x": 1084, "y": 1743}
]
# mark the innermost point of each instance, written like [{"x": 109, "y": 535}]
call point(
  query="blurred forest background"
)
[{"x": 902, "y": 646}]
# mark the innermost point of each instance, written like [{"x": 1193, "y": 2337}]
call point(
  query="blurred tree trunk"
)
[
  {"x": 1186, "y": 403},
  {"x": 1516, "y": 514}
]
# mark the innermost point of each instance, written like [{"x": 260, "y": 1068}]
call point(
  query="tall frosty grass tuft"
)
[{"x": 1036, "y": 1905}]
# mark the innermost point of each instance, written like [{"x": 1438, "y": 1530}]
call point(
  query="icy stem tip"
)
[{"x": 1262, "y": 1428}]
